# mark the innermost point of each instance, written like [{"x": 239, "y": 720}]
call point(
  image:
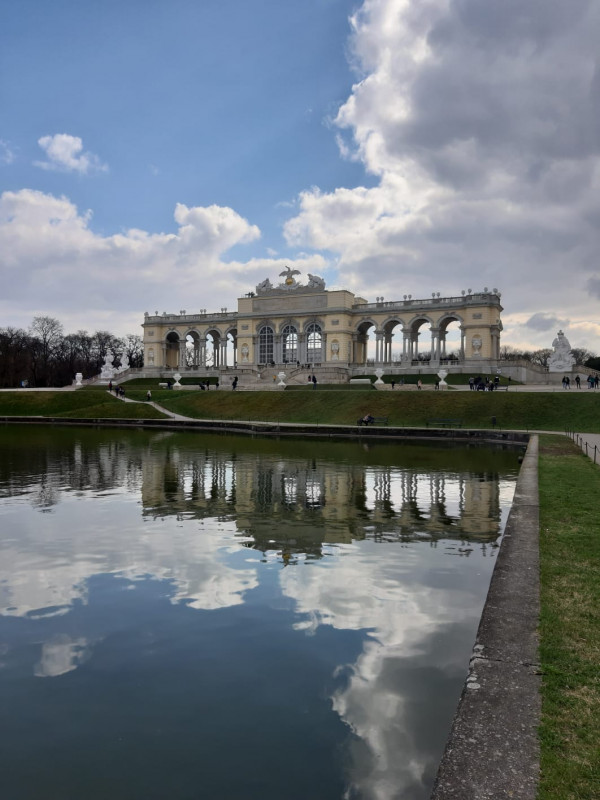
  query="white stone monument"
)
[
  {"x": 78, "y": 378},
  {"x": 561, "y": 359},
  {"x": 442, "y": 376},
  {"x": 177, "y": 377},
  {"x": 379, "y": 372},
  {"x": 108, "y": 371},
  {"x": 281, "y": 376}
]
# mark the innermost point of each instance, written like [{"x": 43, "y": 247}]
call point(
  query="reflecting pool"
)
[{"x": 195, "y": 616}]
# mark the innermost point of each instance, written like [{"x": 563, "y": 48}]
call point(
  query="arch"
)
[
  {"x": 171, "y": 347},
  {"x": 289, "y": 344},
  {"x": 266, "y": 339},
  {"x": 451, "y": 338},
  {"x": 212, "y": 347},
  {"x": 415, "y": 354},
  {"x": 393, "y": 344},
  {"x": 314, "y": 342},
  {"x": 361, "y": 350},
  {"x": 193, "y": 347},
  {"x": 231, "y": 346}
]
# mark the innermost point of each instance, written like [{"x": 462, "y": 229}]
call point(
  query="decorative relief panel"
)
[{"x": 282, "y": 304}]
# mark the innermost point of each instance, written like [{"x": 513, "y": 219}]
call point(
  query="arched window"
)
[
  {"x": 265, "y": 345},
  {"x": 289, "y": 338},
  {"x": 314, "y": 342}
]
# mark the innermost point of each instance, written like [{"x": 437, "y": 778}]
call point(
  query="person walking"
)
[
  {"x": 314, "y": 381},
  {"x": 419, "y": 384},
  {"x": 148, "y": 395},
  {"x": 578, "y": 381}
]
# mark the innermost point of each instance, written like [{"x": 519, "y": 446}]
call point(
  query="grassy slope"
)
[
  {"x": 550, "y": 411},
  {"x": 570, "y": 622},
  {"x": 97, "y": 404}
]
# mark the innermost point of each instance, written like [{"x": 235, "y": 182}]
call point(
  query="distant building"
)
[{"x": 306, "y": 325}]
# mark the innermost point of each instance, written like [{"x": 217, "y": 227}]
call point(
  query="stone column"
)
[
  {"x": 182, "y": 351},
  {"x": 435, "y": 346},
  {"x": 405, "y": 344},
  {"x": 462, "y": 343},
  {"x": 302, "y": 348},
  {"x": 223, "y": 353},
  {"x": 163, "y": 349},
  {"x": 378, "y": 347}
]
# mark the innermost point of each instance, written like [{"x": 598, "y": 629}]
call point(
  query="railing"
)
[
  {"x": 483, "y": 297},
  {"x": 584, "y": 445}
]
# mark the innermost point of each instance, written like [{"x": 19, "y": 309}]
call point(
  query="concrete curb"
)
[
  {"x": 281, "y": 429},
  {"x": 493, "y": 749}
]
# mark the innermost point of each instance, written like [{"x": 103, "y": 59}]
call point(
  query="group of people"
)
[
  {"x": 119, "y": 390},
  {"x": 488, "y": 385},
  {"x": 592, "y": 382},
  {"x": 313, "y": 379}
]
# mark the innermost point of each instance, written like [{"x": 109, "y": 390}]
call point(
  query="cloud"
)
[
  {"x": 479, "y": 121},
  {"x": 52, "y": 262},
  {"x": 7, "y": 156},
  {"x": 546, "y": 322},
  {"x": 65, "y": 153}
]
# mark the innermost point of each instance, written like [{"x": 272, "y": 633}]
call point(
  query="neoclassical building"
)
[{"x": 304, "y": 325}]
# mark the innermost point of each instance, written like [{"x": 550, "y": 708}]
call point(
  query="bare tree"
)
[{"x": 46, "y": 337}]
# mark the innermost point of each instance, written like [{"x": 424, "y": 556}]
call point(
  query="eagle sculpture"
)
[{"x": 288, "y": 272}]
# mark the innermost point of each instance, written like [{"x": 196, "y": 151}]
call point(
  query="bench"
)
[
  {"x": 163, "y": 385},
  {"x": 373, "y": 421},
  {"x": 445, "y": 423}
]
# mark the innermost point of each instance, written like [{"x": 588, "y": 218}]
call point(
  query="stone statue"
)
[
  {"x": 264, "y": 286},
  {"x": 245, "y": 352},
  {"x": 290, "y": 282},
  {"x": 561, "y": 359},
  {"x": 108, "y": 371},
  {"x": 314, "y": 282},
  {"x": 124, "y": 362}
]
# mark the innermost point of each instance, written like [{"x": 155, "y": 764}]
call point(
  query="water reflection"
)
[{"x": 324, "y": 571}]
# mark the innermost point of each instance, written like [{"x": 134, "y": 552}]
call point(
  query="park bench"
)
[
  {"x": 445, "y": 423},
  {"x": 163, "y": 385},
  {"x": 373, "y": 421}
]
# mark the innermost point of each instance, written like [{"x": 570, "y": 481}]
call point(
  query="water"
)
[{"x": 187, "y": 616}]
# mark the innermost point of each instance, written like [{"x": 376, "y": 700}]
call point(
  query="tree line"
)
[
  {"x": 44, "y": 355},
  {"x": 583, "y": 357}
]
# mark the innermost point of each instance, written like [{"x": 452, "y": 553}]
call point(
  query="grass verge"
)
[
  {"x": 518, "y": 410},
  {"x": 570, "y": 622},
  {"x": 553, "y": 411},
  {"x": 98, "y": 405}
]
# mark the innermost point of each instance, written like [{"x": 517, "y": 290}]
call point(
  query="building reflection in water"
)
[
  {"x": 352, "y": 502},
  {"x": 350, "y": 547}
]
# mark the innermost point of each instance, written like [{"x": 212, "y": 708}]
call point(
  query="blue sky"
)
[{"x": 167, "y": 155}]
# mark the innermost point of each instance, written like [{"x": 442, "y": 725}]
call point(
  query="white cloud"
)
[
  {"x": 480, "y": 121},
  {"x": 7, "y": 155},
  {"x": 65, "y": 152},
  {"x": 53, "y": 263}
]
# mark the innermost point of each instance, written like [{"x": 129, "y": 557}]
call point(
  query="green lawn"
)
[
  {"x": 86, "y": 404},
  {"x": 570, "y": 622},
  {"x": 520, "y": 410},
  {"x": 555, "y": 411}
]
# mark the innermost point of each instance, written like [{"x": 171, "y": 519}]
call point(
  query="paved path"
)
[{"x": 589, "y": 443}]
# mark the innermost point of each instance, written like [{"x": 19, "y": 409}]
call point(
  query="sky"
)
[{"x": 161, "y": 156}]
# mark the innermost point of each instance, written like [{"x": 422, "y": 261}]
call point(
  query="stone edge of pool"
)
[
  {"x": 493, "y": 748},
  {"x": 286, "y": 429}
]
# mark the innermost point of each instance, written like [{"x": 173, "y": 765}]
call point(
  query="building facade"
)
[{"x": 306, "y": 325}]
